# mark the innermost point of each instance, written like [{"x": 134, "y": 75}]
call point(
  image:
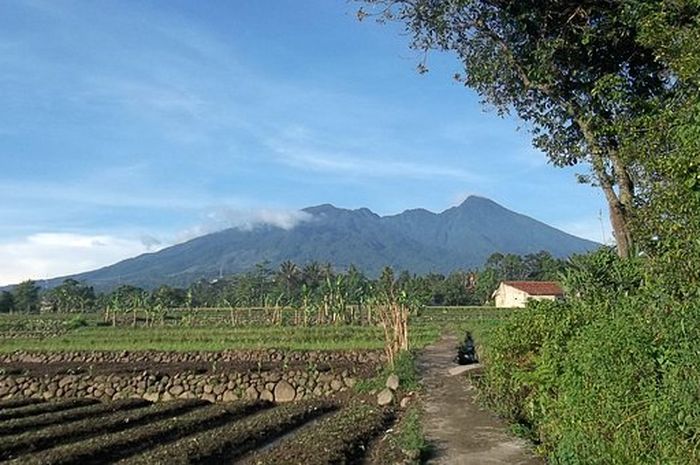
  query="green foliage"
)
[
  {"x": 409, "y": 436},
  {"x": 7, "y": 302},
  {"x": 75, "y": 322},
  {"x": 70, "y": 296},
  {"x": 667, "y": 140},
  {"x": 600, "y": 274},
  {"x": 26, "y": 297},
  {"x": 404, "y": 367},
  {"x": 576, "y": 73},
  {"x": 610, "y": 378},
  {"x": 214, "y": 338}
]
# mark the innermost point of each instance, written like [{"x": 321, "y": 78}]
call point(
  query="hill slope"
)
[{"x": 416, "y": 240}]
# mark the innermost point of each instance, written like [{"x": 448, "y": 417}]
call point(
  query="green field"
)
[{"x": 89, "y": 332}]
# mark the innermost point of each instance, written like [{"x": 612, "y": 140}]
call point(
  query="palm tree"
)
[{"x": 289, "y": 276}]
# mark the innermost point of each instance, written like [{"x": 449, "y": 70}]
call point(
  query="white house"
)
[{"x": 517, "y": 293}]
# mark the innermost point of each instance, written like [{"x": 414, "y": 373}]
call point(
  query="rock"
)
[
  {"x": 411, "y": 454},
  {"x": 350, "y": 382},
  {"x": 151, "y": 396},
  {"x": 267, "y": 395},
  {"x": 176, "y": 390},
  {"x": 392, "y": 382},
  {"x": 405, "y": 401},
  {"x": 284, "y": 392},
  {"x": 219, "y": 389},
  {"x": 385, "y": 397},
  {"x": 209, "y": 398},
  {"x": 66, "y": 380},
  {"x": 229, "y": 396},
  {"x": 251, "y": 393},
  {"x": 336, "y": 385}
]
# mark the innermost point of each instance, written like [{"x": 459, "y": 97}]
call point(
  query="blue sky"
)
[{"x": 127, "y": 126}]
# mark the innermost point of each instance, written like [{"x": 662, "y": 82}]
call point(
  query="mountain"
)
[{"x": 416, "y": 240}]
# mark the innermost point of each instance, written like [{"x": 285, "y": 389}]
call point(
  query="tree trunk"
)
[
  {"x": 619, "y": 219},
  {"x": 620, "y": 205}
]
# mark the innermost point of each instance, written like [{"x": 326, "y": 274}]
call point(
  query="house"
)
[{"x": 517, "y": 293}]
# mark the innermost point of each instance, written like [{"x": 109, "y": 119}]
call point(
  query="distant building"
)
[{"x": 517, "y": 293}]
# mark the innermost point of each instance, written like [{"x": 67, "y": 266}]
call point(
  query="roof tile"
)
[{"x": 537, "y": 287}]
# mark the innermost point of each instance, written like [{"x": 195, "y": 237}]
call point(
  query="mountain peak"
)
[
  {"x": 477, "y": 200},
  {"x": 324, "y": 208},
  {"x": 416, "y": 240}
]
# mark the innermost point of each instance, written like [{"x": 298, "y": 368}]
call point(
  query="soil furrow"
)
[
  {"x": 15, "y": 445},
  {"x": 339, "y": 439},
  {"x": 230, "y": 441},
  {"x": 45, "y": 407},
  {"x": 20, "y": 425},
  {"x": 122, "y": 444},
  {"x": 14, "y": 403}
]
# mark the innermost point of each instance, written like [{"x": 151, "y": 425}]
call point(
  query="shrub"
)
[{"x": 609, "y": 378}]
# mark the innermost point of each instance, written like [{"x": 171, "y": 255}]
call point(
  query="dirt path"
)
[{"x": 460, "y": 431}]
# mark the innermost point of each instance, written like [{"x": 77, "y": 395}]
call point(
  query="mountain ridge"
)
[{"x": 417, "y": 240}]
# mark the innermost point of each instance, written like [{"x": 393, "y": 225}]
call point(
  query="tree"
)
[
  {"x": 575, "y": 72},
  {"x": 667, "y": 139},
  {"x": 71, "y": 296},
  {"x": 26, "y": 296},
  {"x": 7, "y": 302},
  {"x": 288, "y": 278}
]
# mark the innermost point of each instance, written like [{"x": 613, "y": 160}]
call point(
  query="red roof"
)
[{"x": 537, "y": 287}]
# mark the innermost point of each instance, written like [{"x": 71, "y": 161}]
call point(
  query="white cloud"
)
[
  {"x": 245, "y": 219},
  {"x": 52, "y": 254}
]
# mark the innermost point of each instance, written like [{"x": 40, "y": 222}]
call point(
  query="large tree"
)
[
  {"x": 26, "y": 297},
  {"x": 7, "y": 302},
  {"x": 667, "y": 140},
  {"x": 574, "y": 71},
  {"x": 71, "y": 296}
]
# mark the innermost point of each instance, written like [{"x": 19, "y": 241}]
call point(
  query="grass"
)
[
  {"x": 212, "y": 339},
  {"x": 404, "y": 368},
  {"x": 410, "y": 437},
  {"x": 88, "y": 333}
]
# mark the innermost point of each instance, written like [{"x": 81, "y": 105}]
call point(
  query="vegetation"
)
[
  {"x": 610, "y": 375},
  {"x": 343, "y": 436},
  {"x": 193, "y": 431},
  {"x": 185, "y": 338},
  {"x": 318, "y": 293},
  {"x": 26, "y": 297},
  {"x": 578, "y": 75}
]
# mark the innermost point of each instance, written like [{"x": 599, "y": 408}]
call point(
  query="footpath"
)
[{"x": 461, "y": 432}]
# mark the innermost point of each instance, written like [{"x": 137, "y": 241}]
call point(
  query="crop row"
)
[
  {"x": 192, "y": 432},
  {"x": 338, "y": 439},
  {"x": 20, "y": 425},
  {"x": 43, "y": 407},
  {"x": 229, "y": 441},
  {"x": 215, "y": 339}
]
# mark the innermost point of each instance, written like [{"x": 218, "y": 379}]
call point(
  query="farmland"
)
[
  {"x": 211, "y": 330},
  {"x": 190, "y": 431},
  {"x": 196, "y": 388}
]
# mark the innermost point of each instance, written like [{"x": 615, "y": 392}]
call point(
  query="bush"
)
[
  {"x": 75, "y": 322},
  {"x": 607, "y": 378}
]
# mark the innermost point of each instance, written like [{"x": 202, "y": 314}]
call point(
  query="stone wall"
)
[
  {"x": 160, "y": 376},
  {"x": 224, "y": 356},
  {"x": 279, "y": 386}
]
